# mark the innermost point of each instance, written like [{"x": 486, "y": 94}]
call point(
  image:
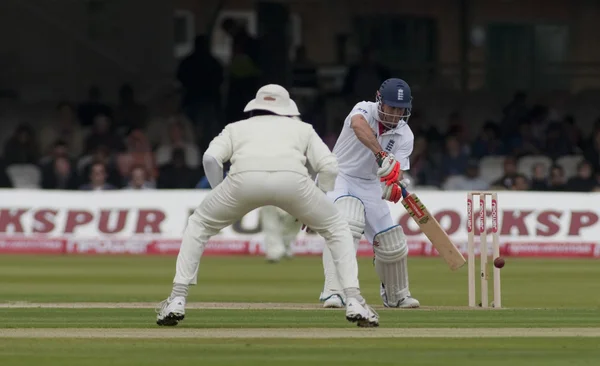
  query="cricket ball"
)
[{"x": 499, "y": 262}]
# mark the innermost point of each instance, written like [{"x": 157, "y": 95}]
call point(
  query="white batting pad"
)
[
  {"x": 353, "y": 210},
  {"x": 391, "y": 251}
]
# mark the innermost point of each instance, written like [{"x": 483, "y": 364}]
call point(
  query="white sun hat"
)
[{"x": 273, "y": 98}]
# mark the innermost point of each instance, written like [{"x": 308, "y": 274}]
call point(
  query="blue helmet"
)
[{"x": 394, "y": 93}]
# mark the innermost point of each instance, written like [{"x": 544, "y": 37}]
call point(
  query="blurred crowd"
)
[
  {"x": 94, "y": 145},
  {"x": 530, "y": 148}
]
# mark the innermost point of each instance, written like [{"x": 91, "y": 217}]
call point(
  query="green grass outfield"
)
[{"x": 80, "y": 310}]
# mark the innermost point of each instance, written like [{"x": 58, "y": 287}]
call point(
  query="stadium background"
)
[
  {"x": 101, "y": 98},
  {"x": 104, "y": 124}
]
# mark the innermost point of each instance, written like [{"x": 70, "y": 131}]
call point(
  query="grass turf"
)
[
  {"x": 526, "y": 283},
  {"x": 291, "y": 352},
  {"x": 567, "y": 290},
  {"x": 390, "y": 318}
]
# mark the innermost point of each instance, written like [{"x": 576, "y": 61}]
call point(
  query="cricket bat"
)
[{"x": 432, "y": 229}]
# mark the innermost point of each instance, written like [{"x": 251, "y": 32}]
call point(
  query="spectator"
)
[
  {"x": 244, "y": 69},
  {"x": 471, "y": 181},
  {"x": 129, "y": 113},
  {"x": 201, "y": 76},
  {"x": 5, "y": 181},
  {"x": 92, "y": 107},
  {"x": 60, "y": 149},
  {"x": 97, "y": 179},
  {"x": 177, "y": 141},
  {"x": 584, "y": 180},
  {"x": 509, "y": 175},
  {"x": 139, "y": 179},
  {"x": 102, "y": 155},
  {"x": 573, "y": 133},
  {"x": 138, "y": 152},
  {"x": 557, "y": 181},
  {"x": 524, "y": 143},
  {"x": 22, "y": 147},
  {"x": 488, "y": 143},
  {"x": 102, "y": 134},
  {"x": 592, "y": 151},
  {"x": 176, "y": 174},
  {"x": 304, "y": 70},
  {"x": 539, "y": 180},
  {"x": 364, "y": 77},
  {"x": 539, "y": 116},
  {"x": 60, "y": 174},
  {"x": 457, "y": 127},
  {"x": 66, "y": 128},
  {"x": 514, "y": 112},
  {"x": 557, "y": 143},
  {"x": 422, "y": 127},
  {"x": 520, "y": 183},
  {"x": 454, "y": 161},
  {"x": 423, "y": 166},
  {"x": 169, "y": 111}
]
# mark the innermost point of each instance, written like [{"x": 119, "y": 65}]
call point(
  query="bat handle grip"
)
[{"x": 404, "y": 192}]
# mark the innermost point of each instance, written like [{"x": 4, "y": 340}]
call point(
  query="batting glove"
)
[
  {"x": 392, "y": 193},
  {"x": 389, "y": 168}
]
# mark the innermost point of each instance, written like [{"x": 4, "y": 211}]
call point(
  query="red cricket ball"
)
[{"x": 499, "y": 262}]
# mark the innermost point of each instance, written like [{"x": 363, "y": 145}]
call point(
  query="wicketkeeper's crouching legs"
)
[
  {"x": 298, "y": 196},
  {"x": 391, "y": 264}
]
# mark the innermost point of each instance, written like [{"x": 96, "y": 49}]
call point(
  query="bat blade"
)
[{"x": 433, "y": 231}]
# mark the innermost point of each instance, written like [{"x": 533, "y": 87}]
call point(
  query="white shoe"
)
[
  {"x": 362, "y": 314},
  {"x": 334, "y": 301},
  {"x": 171, "y": 312},
  {"x": 408, "y": 302}
]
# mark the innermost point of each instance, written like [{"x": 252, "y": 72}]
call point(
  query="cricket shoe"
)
[
  {"x": 408, "y": 302},
  {"x": 362, "y": 314},
  {"x": 334, "y": 301},
  {"x": 171, "y": 312}
]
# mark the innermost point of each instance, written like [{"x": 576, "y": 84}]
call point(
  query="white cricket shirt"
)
[{"x": 356, "y": 160}]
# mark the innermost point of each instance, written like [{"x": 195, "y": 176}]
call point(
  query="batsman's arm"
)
[{"x": 364, "y": 133}]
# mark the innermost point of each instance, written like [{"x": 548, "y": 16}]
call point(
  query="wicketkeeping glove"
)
[{"x": 389, "y": 168}]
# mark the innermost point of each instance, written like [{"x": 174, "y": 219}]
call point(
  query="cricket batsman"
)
[
  {"x": 268, "y": 153},
  {"x": 280, "y": 230},
  {"x": 373, "y": 149}
]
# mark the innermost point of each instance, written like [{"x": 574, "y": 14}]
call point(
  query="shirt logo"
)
[
  {"x": 400, "y": 94},
  {"x": 362, "y": 110},
  {"x": 390, "y": 145}
]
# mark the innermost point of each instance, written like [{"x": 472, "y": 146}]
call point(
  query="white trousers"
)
[
  {"x": 377, "y": 212},
  {"x": 243, "y": 192}
]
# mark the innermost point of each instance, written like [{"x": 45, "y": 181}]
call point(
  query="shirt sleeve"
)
[
  {"x": 322, "y": 161},
  {"x": 318, "y": 154},
  {"x": 221, "y": 147},
  {"x": 213, "y": 170},
  {"x": 403, "y": 152},
  {"x": 362, "y": 109}
]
